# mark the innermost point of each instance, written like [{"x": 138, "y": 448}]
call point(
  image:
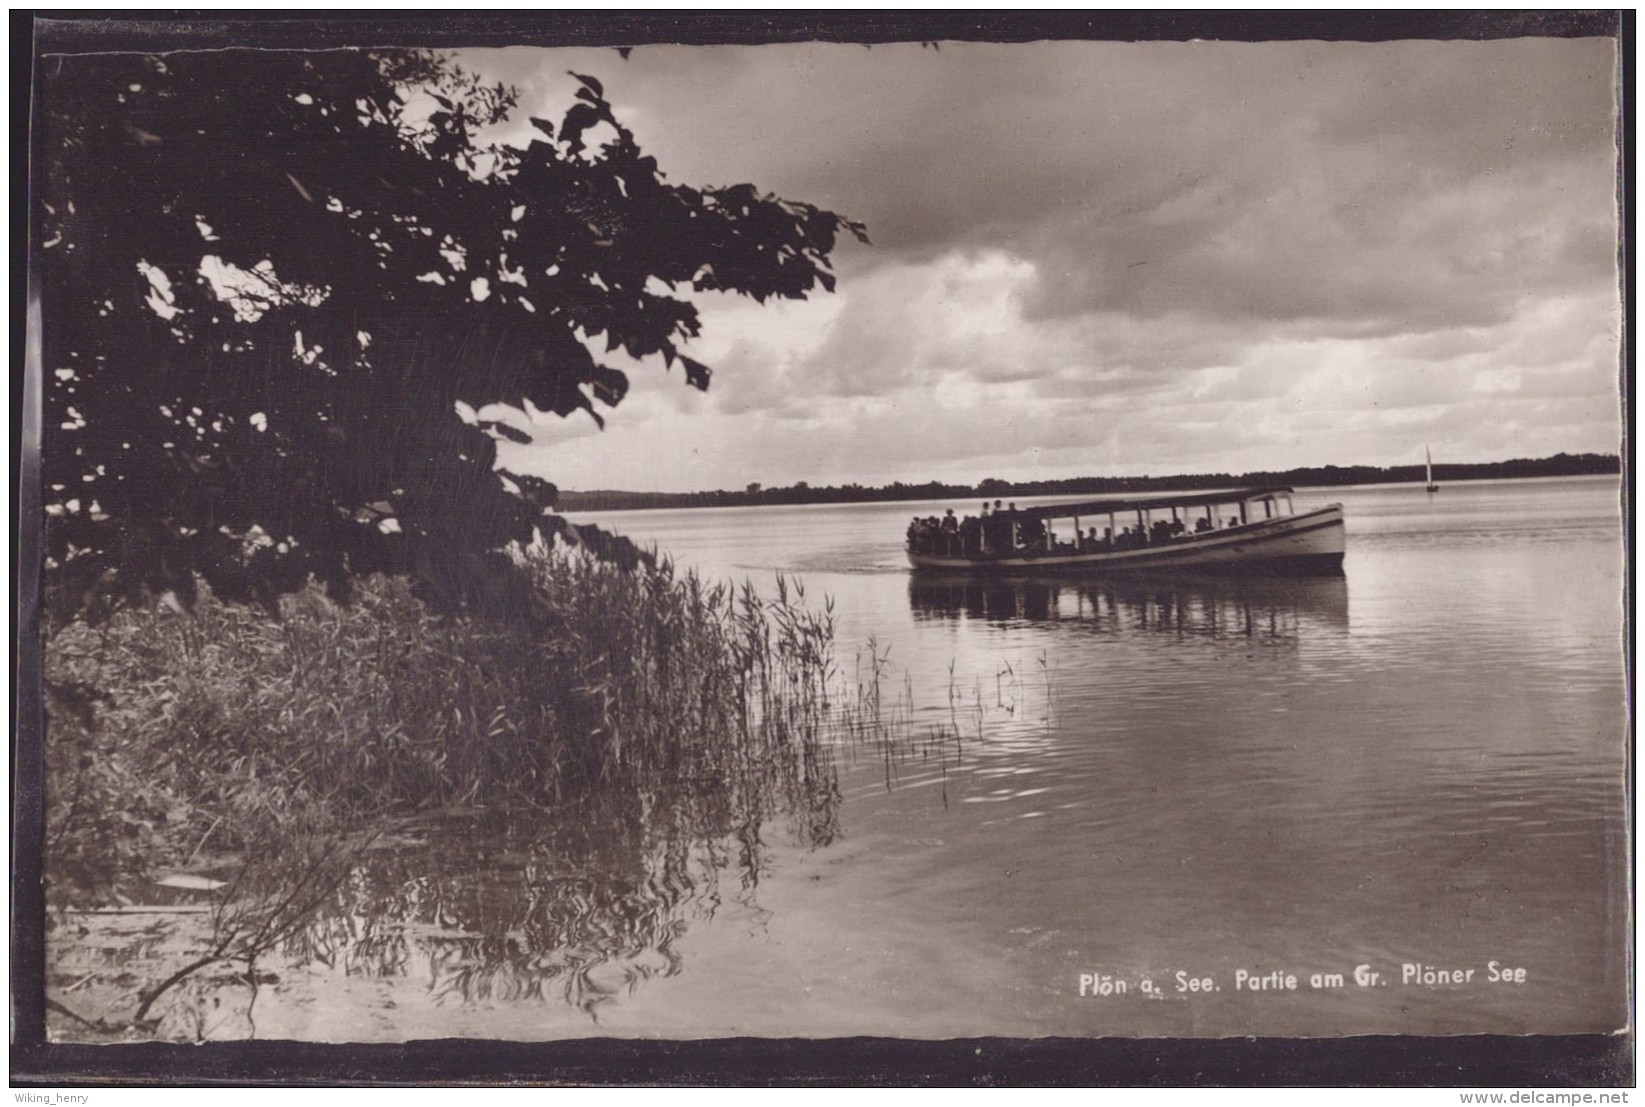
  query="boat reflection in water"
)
[{"x": 1212, "y": 607}]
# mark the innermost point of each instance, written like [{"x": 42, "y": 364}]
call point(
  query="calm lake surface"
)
[{"x": 1090, "y": 784}]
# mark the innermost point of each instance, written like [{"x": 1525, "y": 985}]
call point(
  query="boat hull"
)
[{"x": 1310, "y": 544}]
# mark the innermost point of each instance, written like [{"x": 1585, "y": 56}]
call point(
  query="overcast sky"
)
[{"x": 1117, "y": 259}]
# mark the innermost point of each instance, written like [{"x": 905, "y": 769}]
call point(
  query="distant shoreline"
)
[{"x": 1560, "y": 465}]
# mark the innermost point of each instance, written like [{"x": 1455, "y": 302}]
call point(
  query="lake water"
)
[
  {"x": 1099, "y": 808},
  {"x": 1420, "y": 763}
]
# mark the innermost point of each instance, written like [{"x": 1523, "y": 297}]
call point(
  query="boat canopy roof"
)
[{"x": 1141, "y": 503}]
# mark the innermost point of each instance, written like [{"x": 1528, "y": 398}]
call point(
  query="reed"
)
[
  {"x": 230, "y": 743},
  {"x": 673, "y": 721},
  {"x": 198, "y": 735}
]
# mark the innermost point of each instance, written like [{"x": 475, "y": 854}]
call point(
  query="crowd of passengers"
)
[{"x": 991, "y": 533}]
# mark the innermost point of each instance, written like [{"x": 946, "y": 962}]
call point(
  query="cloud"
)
[{"x": 1117, "y": 257}]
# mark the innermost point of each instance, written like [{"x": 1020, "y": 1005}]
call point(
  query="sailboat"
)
[{"x": 1432, "y": 487}]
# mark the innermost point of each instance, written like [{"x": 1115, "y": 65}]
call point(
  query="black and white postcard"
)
[{"x": 884, "y": 529}]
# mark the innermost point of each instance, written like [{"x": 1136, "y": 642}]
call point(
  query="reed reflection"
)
[
  {"x": 1209, "y": 607},
  {"x": 583, "y": 904}
]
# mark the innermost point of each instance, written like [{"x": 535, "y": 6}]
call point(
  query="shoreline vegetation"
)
[
  {"x": 1328, "y": 476},
  {"x": 232, "y": 794}
]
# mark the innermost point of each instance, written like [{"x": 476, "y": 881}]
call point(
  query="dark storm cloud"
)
[
  {"x": 1400, "y": 184},
  {"x": 1135, "y": 244}
]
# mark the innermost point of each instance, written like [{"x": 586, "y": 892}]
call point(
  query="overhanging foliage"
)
[{"x": 272, "y": 280}]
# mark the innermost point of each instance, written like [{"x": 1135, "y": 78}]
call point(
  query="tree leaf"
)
[{"x": 696, "y": 373}]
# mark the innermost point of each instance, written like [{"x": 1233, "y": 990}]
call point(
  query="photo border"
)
[{"x": 1369, "y": 1061}]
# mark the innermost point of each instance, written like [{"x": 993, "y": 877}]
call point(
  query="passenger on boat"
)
[
  {"x": 950, "y": 524},
  {"x": 929, "y": 534},
  {"x": 996, "y": 532},
  {"x": 1202, "y": 526},
  {"x": 971, "y": 534},
  {"x": 985, "y": 509}
]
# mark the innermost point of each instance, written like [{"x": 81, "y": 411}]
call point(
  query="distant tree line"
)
[{"x": 1560, "y": 465}]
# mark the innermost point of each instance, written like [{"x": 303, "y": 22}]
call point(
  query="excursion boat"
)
[{"x": 1238, "y": 530}]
